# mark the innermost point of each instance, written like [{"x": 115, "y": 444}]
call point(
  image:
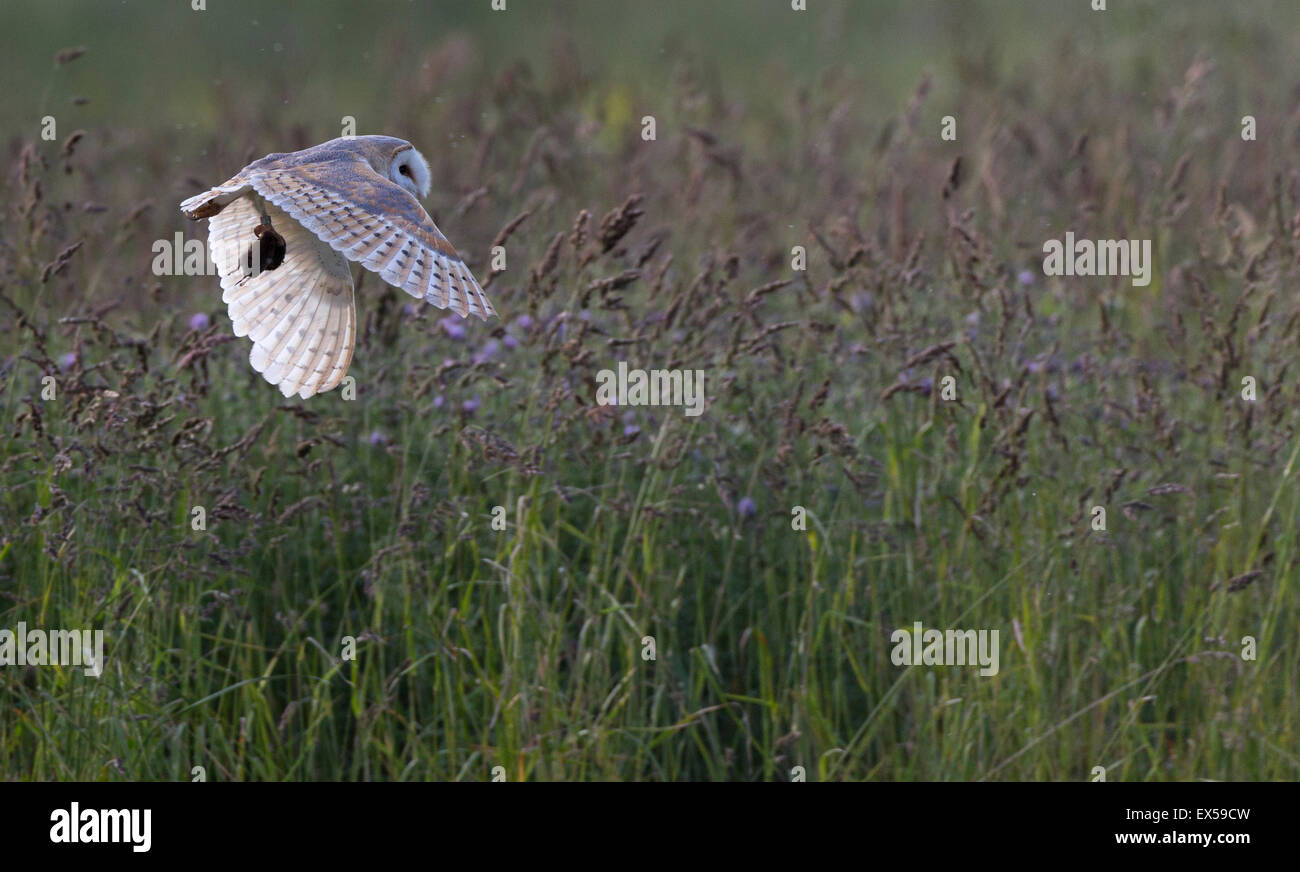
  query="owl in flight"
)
[{"x": 281, "y": 233}]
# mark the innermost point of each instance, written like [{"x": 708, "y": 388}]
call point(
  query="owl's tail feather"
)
[{"x": 211, "y": 202}]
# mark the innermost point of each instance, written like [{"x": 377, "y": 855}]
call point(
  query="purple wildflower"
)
[
  {"x": 746, "y": 507},
  {"x": 452, "y": 327},
  {"x": 489, "y": 351},
  {"x": 199, "y": 321}
]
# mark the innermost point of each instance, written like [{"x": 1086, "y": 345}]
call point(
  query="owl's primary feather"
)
[{"x": 347, "y": 198}]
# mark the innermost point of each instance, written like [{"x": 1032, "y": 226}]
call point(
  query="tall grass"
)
[{"x": 635, "y": 531}]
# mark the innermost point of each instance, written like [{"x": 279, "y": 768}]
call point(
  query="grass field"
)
[{"x": 350, "y": 610}]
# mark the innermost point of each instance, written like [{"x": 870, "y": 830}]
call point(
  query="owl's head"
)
[{"x": 409, "y": 169}]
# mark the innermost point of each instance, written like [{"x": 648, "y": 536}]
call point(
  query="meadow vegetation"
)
[{"x": 525, "y": 648}]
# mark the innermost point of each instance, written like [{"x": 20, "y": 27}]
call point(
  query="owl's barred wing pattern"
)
[
  {"x": 379, "y": 225},
  {"x": 300, "y": 315}
]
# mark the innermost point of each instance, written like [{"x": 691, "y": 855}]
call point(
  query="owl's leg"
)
[{"x": 270, "y": 249}]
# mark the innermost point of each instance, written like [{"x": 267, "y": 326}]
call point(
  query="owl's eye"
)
[{"x": 405, "y": 169}]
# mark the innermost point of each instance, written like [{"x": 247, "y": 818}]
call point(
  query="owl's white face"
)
[{"x": 410, "y": 170}]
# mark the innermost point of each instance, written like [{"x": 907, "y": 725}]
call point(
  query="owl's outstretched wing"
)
[
  {"x": 377, "y": 223},
  {"x": 299, "y": 314}
]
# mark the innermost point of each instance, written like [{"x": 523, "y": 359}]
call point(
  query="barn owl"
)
[{"x": 281, "y": 233}]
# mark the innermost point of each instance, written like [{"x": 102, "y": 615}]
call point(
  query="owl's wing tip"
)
[{"x": 212, "y": 201}]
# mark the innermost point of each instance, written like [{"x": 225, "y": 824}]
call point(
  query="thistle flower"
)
[
  {"x": 487, "y": 352},
  {"x": 452, "y": 327}
]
